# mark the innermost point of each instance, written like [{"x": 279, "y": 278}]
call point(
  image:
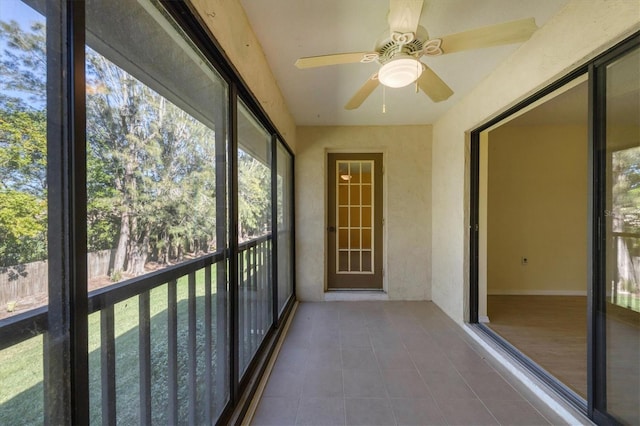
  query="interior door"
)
[{"x": 354, "y": 226}]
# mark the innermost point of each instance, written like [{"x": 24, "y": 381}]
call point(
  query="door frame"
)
[{"x": 325, "y": 263}]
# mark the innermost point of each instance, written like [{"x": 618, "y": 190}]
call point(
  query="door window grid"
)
[{"x": 355, "y": 209}]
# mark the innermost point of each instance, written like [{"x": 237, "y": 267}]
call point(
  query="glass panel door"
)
[
  {"x": 355, "y": 217},
  {"x": 622, "y": 250},
  {"x": 354, "y": 231}
]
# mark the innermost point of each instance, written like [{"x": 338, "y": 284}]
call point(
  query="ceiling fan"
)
[{"x": 400, "y": 50}]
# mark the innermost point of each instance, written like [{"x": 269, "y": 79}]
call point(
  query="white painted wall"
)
[
  {"x": 537, "y": 208},
  {"x": 578, "y": 33},
  {"x": 407, "y": 205}
]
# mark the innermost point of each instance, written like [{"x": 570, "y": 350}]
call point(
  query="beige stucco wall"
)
[
  {"x": 537, "y": 208},
  {"x": 407, "y": 206},
  {"x": 228, "y": 22},
  {"x": 579, "y": 32}
]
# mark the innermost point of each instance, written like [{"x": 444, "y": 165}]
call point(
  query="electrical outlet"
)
[{"x": 524, "y": 260}]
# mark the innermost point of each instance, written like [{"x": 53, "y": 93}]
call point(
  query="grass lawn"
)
[
  {"x": 629, "y": 301},
  {"x": 21, "y": 369}
]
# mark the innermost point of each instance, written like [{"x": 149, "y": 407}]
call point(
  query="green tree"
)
[
  {"x": 626, "y": 189},
  {"x": 161, "y": 163},
  {"x": 23, "y": 66},
  {"x": 254, "y": 194},
  {"x": 150, "y": 165},
  {"x": 22, "y": 228},
  {"x": 120, "y": 136},
  {"x": 23, "y": 145},
  {"x": 23, "y": 150},
  {"x": 625, "y": 215}
]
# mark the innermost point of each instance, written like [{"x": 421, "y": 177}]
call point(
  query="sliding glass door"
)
[
  {"x": 618, "y": 286},
  {"x": 606, "y": 263}
]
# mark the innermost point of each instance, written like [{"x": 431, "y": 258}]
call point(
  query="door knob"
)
[{"x": 331, "y": 229}]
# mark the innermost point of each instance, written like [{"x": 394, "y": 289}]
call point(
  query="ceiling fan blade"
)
[
  {"x": 363, "y": 93},
  {"x": 338, "y": 58},
  {"x": 404, "y": 15},
  {"x": 493, "y": 35},
  {"x": 433, "y": 86}
]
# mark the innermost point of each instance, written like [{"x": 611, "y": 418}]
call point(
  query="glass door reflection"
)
[{"x": 622, "y": 307}]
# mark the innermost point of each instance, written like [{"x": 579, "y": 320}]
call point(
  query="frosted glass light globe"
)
[{"x": 400, "y": 72}]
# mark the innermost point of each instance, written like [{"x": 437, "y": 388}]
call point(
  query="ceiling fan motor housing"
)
[{"x": 391, "y": 45}]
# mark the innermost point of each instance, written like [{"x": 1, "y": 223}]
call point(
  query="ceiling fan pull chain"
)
[{"x": 384, "y": 100}]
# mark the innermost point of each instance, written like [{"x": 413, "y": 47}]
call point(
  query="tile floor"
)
[{"x": 389, "y": 363}]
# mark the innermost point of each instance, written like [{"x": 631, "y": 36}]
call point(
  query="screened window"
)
[
  {"x": 23, "y": 158},
  {"x": 139, "y": 282},
  {"x": 23, "y": 202},
  {"x": 156, "y": 125},
  {"x": 154, "y": 111},
  {"x": 285, "y": 225},
  {"x": 254, "y": 235}
]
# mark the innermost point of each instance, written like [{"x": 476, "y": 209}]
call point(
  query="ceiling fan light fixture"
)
[{"x": 400, "y": 72}]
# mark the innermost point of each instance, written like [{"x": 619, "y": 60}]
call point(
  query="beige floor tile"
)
[
  {"x": 390, "y": 363},
  {"x": 369, "y": 412},
  {"x": 321, "y": 412},
  {"x": 462, "y": 412},
  {"x": 416, "y": 411}
]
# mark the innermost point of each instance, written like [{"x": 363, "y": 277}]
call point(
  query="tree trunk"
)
[
  {"x": 138, "y": 258},
  {"x": 123, "y": 242},
  {"x": 138, "y": 251},
  {"x": 166, "y": 249}
]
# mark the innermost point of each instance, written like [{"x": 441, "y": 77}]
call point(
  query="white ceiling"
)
[{"x": 289, "y": 29}]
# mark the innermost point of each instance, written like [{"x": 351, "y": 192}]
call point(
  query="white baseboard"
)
[
  {"x": 509, "y": 292},
  {"x": 483, "y": 318}
]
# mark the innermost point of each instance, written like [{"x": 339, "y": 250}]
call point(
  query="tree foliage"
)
[
  {"x": 23, "y": 65},
  {"x": 151, "y": 168},
  {"x": 626, "y": 189},
  {"x": 254, "y": 206},
  {"x": 22, "y": 228},
  {"x": 23, "y": 146},
  {"x": 150, "y": 165},
  {"x": 23, "y": 150}
]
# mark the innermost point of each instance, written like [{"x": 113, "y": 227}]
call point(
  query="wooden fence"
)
[{"x": 30, "y": 279}]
